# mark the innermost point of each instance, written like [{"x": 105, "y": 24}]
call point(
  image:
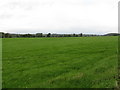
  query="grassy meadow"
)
[{"x": 63, "y": 62}]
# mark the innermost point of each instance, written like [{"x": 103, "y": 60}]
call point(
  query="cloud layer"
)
[{"x": 58, "y": 16}]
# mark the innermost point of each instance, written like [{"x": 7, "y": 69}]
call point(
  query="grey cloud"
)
[
  {"x": 19, "y": 5},
  {"x": 64, "y": 16},
  {"x": 6, "y": 16},
  {"x": 26, "y": 5}
]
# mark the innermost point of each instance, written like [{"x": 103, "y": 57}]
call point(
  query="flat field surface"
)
[{"x": 66, "y": 62}]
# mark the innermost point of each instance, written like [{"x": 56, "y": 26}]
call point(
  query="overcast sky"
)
[{"x": 59, "y": 16}]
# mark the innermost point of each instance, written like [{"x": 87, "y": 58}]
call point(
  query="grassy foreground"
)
[{"x": 71, "y": 62}]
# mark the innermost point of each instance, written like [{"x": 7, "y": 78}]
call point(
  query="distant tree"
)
[
  {"x": 69, "y": 35},
  {"x": 39, "y": 34},
  {"x": 80, "y": 34},
  {"x": 112, "y": 34},
  {"x": 7, "y": 35},
  {"x": 2, "y": 35},
  {"x": 33, "y": 35},
  {"x": 49, "y": 34},
  {"x": 23, "y": 35},
  {"x": 29, "y": 35},
  {"x": 18, "y": 35},
  {"x": 74, "y": 35}
]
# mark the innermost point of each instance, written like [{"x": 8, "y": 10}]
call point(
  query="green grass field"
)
[{"x": 68, "y": 62}]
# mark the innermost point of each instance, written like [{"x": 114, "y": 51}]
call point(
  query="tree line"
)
[{"x": 9, "y": 35}]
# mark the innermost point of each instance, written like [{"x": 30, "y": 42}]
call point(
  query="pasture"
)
[{"x": 63, "y": 62}]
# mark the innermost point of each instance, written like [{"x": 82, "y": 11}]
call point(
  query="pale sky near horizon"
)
[{"x": 59, "y": 16}]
